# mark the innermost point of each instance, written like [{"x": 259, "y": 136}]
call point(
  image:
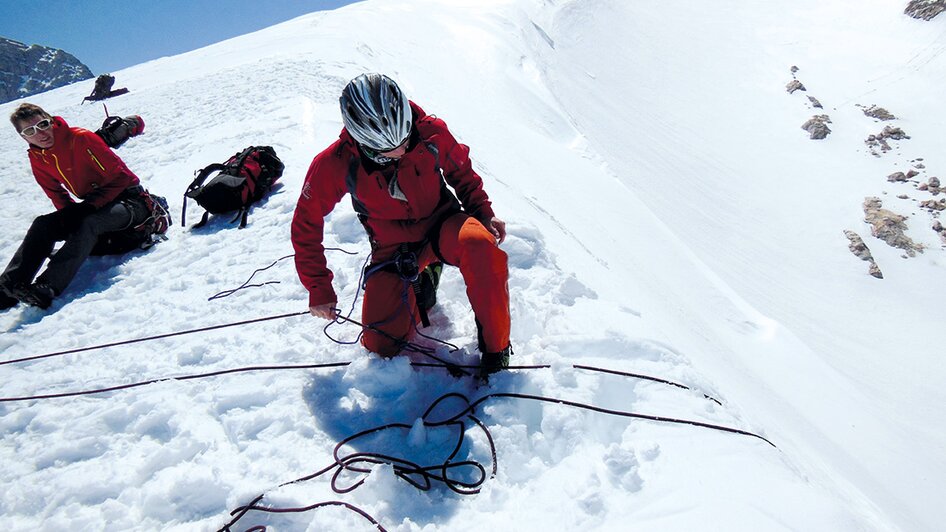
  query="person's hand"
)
[
  {"x": 498, "y": 228},
  {"x": 325, "y": 310}
]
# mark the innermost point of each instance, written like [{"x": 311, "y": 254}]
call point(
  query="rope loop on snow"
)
[
  {"x": 349, "y": 471},
  {"x": 246, "y": 284},
  {"x": 423, "y": 477}
]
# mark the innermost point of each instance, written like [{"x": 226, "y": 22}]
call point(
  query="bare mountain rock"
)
[
  {"x": 879, "y": 113},
  {"x": 878, "y": 143},
  {"x": 817, "y": 126},
  {"x": 27, "y": 70},
  {"x": 861, "y": 251},
  {"x": 889, "y": 226},
  {"x": 925, "y": 9},
  {"x": 794, "y": 85}
]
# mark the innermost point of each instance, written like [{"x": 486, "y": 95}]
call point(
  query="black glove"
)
[{"x": 72, "y": 215}]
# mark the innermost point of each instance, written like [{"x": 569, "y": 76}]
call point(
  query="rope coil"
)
[
  {"x": 349, "y": 471},
  {"x": 422, "y": 477}
]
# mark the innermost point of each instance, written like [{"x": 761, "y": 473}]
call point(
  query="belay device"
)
[{"x": 241, "y": 181}]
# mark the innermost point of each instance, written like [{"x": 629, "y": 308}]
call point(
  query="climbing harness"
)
[{"x": 404, "y": 263}]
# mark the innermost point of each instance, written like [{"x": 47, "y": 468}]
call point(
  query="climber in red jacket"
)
[
  {"x": 70, "y": 164},
  {"x": 399, "y": 166}
]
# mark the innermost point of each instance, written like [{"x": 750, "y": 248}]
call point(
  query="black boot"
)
[
  {"x": 37, "y": 294},
  {"x": 7, "y": 301},
  {"x": 494, "y": 362}
]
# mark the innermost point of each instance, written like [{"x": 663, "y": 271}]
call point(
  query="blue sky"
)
[{"x": 111, "y": 35}]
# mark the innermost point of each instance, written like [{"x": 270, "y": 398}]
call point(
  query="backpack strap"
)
[
  {"x": 244, "y": 214},
  {"x": 203, "y": 174},
  {"x": 195, "y": 184},
  {"x": 237, "y": 166}
]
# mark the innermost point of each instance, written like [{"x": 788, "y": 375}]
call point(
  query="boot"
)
[
  {"x": 37, "y": 294},
  {"x": 7, "y": 301},
  {"x": 494, "y": 362}
]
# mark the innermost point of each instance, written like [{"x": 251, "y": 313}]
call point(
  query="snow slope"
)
[{"x": 666, "y": 217}]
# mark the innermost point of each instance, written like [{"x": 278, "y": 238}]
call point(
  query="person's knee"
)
[
  {"x": 380, "y": 344},
  {"x": 480, "y": 247},
  {"x": 46, "y": 223},
  {"x": 46, "y": 228},
  {"x": 94, "y": 227}
]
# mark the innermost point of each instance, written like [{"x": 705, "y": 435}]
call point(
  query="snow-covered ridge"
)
[{"x": 667, "y": 216}]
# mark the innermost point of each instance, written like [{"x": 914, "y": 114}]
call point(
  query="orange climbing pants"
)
[{"x": 389, "y": 302}]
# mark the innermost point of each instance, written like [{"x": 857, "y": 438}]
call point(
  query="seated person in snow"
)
[
  {"x": 70, "y": 164},
  {"x": 397, "y": 161}
]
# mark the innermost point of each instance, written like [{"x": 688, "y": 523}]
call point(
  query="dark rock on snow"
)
[
  {"x": 925, "y": 9},
  {"x": 817, "y": 126}
]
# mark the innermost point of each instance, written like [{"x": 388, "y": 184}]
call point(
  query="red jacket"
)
[
  {"x": 80, "y": 164},
  {"x": 340, "y": 169}
]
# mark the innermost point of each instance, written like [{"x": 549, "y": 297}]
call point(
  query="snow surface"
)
[{"x": 666, "y": 217}]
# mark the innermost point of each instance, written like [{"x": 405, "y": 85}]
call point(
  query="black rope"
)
[
  {"x": 178, "y": 378},
  {"x": 246, "y": 284},
  {"x": 351, "y": 310},
  {"x": 404, "y": 345},
  {"x": 448, "y": 367},
  {"x": 150, "y": 338},
  {"x": 645, "y": 377},
  {"x": 423, "y": 477},
  {"x": 260, "y": 528}
]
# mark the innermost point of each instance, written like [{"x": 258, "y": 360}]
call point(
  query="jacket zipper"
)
[
  {"x": 89, "y": 151},
  {"x": 64, "y": 178}
]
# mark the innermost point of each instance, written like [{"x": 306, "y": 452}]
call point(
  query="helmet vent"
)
[{"x": 375, "y": 111}]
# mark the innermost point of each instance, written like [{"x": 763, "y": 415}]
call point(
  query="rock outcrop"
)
[
  {"x": 879, "y": 113},
  {"x": 27, "y": 70},
  {"x": 889, "y": 226},
  {"x": 925, "y": 9},
  {"x": 817, "y": 126},
  {"x": 861, "y": 251},
  {"x": 878, "y": 143}
]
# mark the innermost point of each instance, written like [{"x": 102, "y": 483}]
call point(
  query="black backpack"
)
[
  {"x": 103, "y": 89},
  {"x": 116, "y": 130},
  {"x": 103, "y": 86},
  {"x": 242, "y": 180}
]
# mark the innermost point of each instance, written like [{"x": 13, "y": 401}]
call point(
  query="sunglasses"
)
[
  {"x": 378, "y": 155},
  {"x": 375, "y": 155},
  {"x": 42, "y": 125}
]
